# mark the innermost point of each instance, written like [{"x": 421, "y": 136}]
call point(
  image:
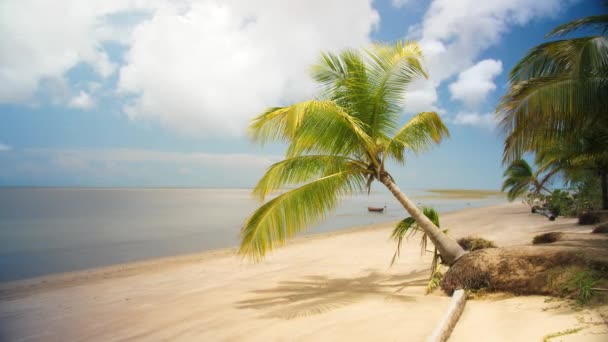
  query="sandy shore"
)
[{"x": 331, "y": 287}]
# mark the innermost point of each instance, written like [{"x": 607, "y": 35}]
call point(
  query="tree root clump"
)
[{"x": 542, "y": 270}]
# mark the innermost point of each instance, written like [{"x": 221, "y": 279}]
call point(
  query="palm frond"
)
[
  {"x": 599, "y": 22},
  {"x": 292, "y": 212},
  {"x": 408, "y": 227},
  {"x": 391, "y": 69},
  {"x": 301, "y": 169},
  {"x": 556, "y": 90},
  {"x": 518, "y": 179},
  {"x": 419, "y": 134}
]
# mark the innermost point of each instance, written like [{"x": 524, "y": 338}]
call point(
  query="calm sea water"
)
[{"x": 50, "y": 230}]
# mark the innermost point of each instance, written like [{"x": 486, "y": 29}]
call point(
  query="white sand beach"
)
[{"x": 329, "y": 287}]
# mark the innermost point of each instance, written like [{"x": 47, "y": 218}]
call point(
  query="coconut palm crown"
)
[
  {"x": 557, "y": 90},
  {"x": 521, "y": 179},
  {"x": 339, "y": 143}
]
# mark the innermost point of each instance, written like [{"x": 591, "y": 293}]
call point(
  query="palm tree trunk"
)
[
  {"x": 604, "y": 189},
  {"x": 449, "y": 249}
]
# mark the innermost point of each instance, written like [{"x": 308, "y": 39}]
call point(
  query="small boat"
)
[{"x": 376, "y": 209}]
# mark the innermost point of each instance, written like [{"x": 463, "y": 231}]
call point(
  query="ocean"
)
[{"x": 53, "y": 230}]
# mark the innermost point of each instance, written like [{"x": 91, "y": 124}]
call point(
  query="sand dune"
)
[{"x": 329, "y": 287}]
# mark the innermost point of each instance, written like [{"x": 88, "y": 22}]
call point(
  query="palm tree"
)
[
  {"x": 339, "y": 143},
  {"x": 589, "y": 152},
  {"x": 521, "y": 179},
  {"x": 557, "y": 89}
]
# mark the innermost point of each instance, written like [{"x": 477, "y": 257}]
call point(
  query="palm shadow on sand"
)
[{"x": 315, "y": 294}]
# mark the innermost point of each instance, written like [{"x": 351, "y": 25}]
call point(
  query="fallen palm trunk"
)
[{"x": 447, "y": 324}]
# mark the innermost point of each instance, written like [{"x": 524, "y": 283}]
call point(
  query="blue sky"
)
[{"x": 158, "y": 93}]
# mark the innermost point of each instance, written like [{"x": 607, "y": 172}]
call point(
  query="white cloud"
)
[
  {"x": 203, "y": 66},
  {"x": 485, "y": 120},
  {"x": 474, "y": 84},
  {"x": 4, "y": 147},
  {"x": 209, "y": 68},
  {"x": 43, "y": 39},
  {"x": 82, "y": 101},
  {"x": 453, "y": 33},
  {"x": 421, "y": 96}
]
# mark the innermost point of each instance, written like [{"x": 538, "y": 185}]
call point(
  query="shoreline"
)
[
  {"x": 327, "y": 286},
  {"x": 21, "y": 287}
]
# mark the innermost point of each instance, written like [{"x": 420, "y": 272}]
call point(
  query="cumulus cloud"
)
[
  {"x": 485, "y": 120},
  {"x": 422, "y": 97},
  {"x": 4, "y": 147},
  {"x": 44, "y": 39},
  {"x": 82, "y": 101},
  {"x": 474, "y": 84},
  {"x": 206, "y": 67},
  {"x": 210, "y": 67},
  {"x": 453, "y": 33}
]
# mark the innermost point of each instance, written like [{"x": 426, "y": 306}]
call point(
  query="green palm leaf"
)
[
  {"x": 408, "y": 227},
  {"x": 419, "y": 134},
  {"x": 292, "y": 212},
  {"x": 599, "y": 22},
  {"x": 557, "y": 90},
  {"x": 298, "y": 170}
]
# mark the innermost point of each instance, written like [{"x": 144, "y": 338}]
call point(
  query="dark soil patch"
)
[
  {"x": 547, "y": 238},
  {"x": 471, "y": 243}
]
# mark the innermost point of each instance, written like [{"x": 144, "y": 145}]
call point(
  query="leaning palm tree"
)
[
  {"x": 520, "y": 179},
  {"x": 557, "y": 89},
  {"x": 339, "y": 144}
]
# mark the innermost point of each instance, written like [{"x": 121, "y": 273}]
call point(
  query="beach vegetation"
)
[
  {"x": 474, "y": 243},
  {"x": 521, "y": 180},
  {"x": 556, "y": 103},
  {"x": 549, "y": 337}
]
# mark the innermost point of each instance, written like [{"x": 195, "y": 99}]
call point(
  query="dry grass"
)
[
  {"x": 547, "y": 238},
  {"x": 601, "y": 229},
  {"x": 471, "y": 243}
]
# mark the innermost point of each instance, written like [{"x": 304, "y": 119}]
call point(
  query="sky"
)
[{"x": 159, "y": 93}]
